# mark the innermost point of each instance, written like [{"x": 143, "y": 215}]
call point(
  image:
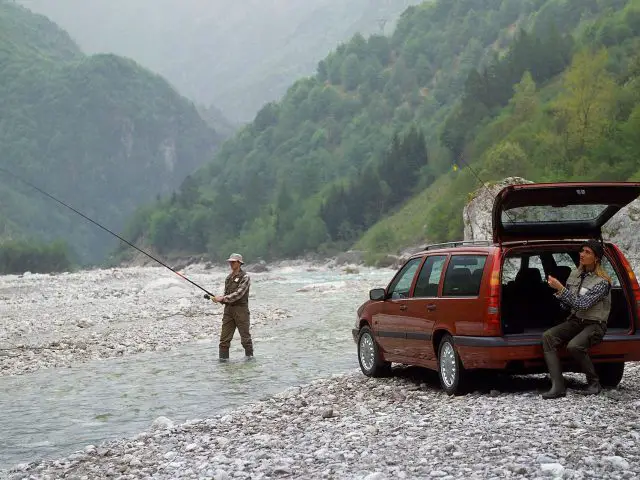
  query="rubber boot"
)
[
  {"x": 555, "y": 372},
  {"x": 593, "y": 382},
  {"x": 224, "y": 354},
  {"x": 248, "y": 352}
]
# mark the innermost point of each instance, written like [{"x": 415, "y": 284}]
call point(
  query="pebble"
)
[{"x": 428, "y": 435}]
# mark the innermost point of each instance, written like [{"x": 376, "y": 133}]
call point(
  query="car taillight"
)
[
  {"x": 492, "y": 325},
  {"x": 634, "y": 282}
]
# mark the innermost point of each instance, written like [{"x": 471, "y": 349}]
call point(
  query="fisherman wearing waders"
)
[{"x": 236, "y": 308}]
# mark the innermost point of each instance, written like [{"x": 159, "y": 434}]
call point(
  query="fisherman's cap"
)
[{"x": 235, "y": 257}]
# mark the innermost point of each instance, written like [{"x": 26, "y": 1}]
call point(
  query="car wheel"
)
[
  {"x": 610, "y": 373},
  {"x": 369, "y": 357},
  {"x": 450, "y": 370}
]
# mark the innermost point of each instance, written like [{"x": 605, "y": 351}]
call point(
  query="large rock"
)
[
  {"x": 477, "y": 213},
  {"x": 622, "y": 230}
]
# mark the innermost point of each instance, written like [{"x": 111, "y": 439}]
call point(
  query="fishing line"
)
[
  {"x": 485, "y": 186},
  {"x": 103, "y": 228}
]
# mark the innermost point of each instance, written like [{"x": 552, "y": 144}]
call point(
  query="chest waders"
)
[{"x": 236, "y": 315}]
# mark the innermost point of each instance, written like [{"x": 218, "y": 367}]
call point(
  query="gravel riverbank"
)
[{"x": 352, "y": 427}]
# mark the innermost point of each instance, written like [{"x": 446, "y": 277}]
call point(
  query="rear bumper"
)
[{"x": 500, "y": 352}]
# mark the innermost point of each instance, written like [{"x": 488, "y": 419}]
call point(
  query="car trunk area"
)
[{"x": 528, "y": 305}]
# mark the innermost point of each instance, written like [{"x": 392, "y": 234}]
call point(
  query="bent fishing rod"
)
[{"x": 104, "y": 228}]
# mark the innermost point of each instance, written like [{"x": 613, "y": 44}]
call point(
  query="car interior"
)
[{"x": 528, "y": 304}]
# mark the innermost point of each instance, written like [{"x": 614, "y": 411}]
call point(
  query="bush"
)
[{"x": 20, "y": 257}]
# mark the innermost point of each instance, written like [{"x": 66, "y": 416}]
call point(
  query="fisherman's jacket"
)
[{"x": 236, "y": 289}]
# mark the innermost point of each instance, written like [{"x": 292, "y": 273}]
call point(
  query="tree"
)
[
  {"x": 586, "y": 106},
  {"x": 350, "y": 72},
  {"x": 524, "y": 103},
  {"x": 505, "y": 159}
]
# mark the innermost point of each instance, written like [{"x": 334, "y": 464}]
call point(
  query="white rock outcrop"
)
[
  {"x": 477, "y": 212},
  {"x": 623, "y": 230}
]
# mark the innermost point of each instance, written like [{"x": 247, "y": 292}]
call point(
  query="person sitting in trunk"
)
[{"x": 588, "y": 295}]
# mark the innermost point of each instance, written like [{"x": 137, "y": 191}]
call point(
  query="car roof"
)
[{"x": 489, "y": 247}]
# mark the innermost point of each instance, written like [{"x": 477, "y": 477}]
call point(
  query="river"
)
[{"x": 52, "y": 412}]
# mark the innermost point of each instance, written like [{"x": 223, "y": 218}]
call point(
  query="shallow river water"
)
[{"x": 53, "y": 412}]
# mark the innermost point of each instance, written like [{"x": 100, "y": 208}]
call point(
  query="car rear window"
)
[
  {"x": 464, "y": 276},
  {"x": 552, "y": 214}
]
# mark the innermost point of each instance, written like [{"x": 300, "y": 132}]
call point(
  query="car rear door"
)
[
  {"x": 557, "y": 211},
  {"x": 460, "y": 308},
  {"x": 421, "y": 312}
]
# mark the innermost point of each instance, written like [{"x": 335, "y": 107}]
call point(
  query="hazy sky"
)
[{"x": 237, "y": 54}]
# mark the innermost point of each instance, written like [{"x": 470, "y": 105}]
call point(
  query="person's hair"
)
[{"x": 600, "y": 271}]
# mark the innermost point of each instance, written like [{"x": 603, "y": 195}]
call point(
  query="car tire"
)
[
  {"x": 450, "y": 369},
  {"x": 610, "y": 373},
  {"x": 369, "y": 355}
]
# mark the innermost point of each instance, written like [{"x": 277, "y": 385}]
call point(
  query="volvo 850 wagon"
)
[{"x": 466, "y": 306}]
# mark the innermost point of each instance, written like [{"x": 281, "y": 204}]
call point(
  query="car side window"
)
[
  {"x": 464, "y": 276},
  {"x": 401, "y": 284},
  {"x": 429, "y": 277}
]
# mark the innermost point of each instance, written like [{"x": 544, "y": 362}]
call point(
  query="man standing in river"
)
[{"x": 236, "y": 308}]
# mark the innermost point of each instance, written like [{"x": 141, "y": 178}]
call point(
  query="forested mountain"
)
[
  {"x": 235, "y": 54},
  {"x": 543, "y": 88},
  {"x": 98, "y": 132}
]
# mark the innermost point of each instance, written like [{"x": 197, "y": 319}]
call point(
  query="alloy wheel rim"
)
[
  {"x": 448, "y": 364},
  {"x": 367, "y": 352}
]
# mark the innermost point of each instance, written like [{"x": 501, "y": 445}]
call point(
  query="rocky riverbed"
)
[
  {"x": 61, "y": 320},
  {"x": 352, "y": 427}
]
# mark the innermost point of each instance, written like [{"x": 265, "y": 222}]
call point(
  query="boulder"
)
[
  {"x": 259, "y": 267},
  {"x": 351, "y": 257},
  {"x": 477, "y": 212},
  {"x": 622, "y": 230}
]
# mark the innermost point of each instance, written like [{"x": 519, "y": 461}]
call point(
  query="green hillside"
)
[
  {"x": 98, "y": 132},
  {"x": 385, "y": 117},
  {"x": 583, "y": 125}
]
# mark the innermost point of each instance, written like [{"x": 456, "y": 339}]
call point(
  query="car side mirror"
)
[{"x": 377, "y": 294}]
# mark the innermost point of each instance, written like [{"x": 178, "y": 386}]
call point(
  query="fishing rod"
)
[{"x": 35, "y": 187}]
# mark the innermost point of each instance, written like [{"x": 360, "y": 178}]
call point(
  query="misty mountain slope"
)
[
  {"x": 498, "y": 82},
  {"x": 339, "y": 150},
  {"x": 98, "y": 132},
  {"x": 237, "y": 55}
]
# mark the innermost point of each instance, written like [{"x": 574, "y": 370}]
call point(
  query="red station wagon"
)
[{"x": 466, "y": 306}]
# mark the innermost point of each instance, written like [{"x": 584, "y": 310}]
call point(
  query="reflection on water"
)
[{"x": 54, "y": 412}]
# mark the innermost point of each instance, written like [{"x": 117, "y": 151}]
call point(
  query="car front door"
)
[
  {"x": 421, "y": 312},
  {"x": 389, "y": 323}
]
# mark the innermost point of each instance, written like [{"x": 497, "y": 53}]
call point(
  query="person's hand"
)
[
  {"x": 554, "y": 283},
  {"x": 218, "y": 299}
]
